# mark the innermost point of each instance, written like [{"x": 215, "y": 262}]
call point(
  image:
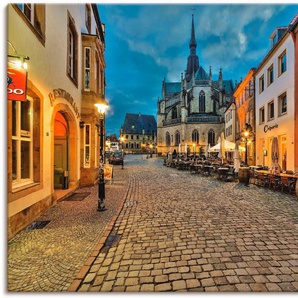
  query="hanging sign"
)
[{"x": 16, "y": 82}]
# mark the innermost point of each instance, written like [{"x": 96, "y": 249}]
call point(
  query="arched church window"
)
[
  {"x": 168, "y": 139},
  {"x": 177, "y": 138},
  {"x": 195, "y": 137},
  {"x": 202, "y": 102},
  {"x": 174, "y": 113},
  {"x": 211, "y": 137}
]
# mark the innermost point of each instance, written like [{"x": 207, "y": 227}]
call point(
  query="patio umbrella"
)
[
  {"x": 185, "y": 148},
  {"x": 236, "y": 158},
  {"x": 207, "y": 149},
  {"x": 220, "y": 152},
  {"x": 179, "y": 150},
  {"x": 275, "y": 167}
]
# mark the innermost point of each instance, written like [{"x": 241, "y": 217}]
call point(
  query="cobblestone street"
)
[{"x": 164, "y": 230}]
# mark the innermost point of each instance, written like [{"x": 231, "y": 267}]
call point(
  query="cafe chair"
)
[
  {"x": 274, "y": 181},
  {"x": 287, "y": 184}
]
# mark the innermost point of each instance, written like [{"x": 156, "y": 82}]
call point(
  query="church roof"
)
[
  {"x": 201, "y": 74},
  {"x": 136, "y": 123},
  {"x": 172, "y": 88}
]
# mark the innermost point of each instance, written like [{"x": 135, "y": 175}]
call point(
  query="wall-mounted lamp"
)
[{"x": 82, "y": 124}]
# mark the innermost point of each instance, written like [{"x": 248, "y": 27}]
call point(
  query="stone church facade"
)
[{"x": 191, "y": 112}]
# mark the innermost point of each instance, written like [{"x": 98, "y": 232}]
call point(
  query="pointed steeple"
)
[{"x": 193, "y": 59}]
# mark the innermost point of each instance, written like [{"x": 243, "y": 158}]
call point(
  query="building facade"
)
[
  {"x": 138, "y": 134},
  {"x": 275, "y": 109},
  {"x": 245, "y": 120},
  {"x": 53, "y": 134},
  {"x": 191, "y": 112}
]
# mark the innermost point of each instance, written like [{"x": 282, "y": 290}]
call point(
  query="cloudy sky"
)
[{"x": 146, "y": 43}]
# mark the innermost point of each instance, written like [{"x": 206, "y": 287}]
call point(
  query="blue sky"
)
[{"x": 146, "y": 43}]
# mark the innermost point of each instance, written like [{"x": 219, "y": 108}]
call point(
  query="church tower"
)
[{"x": 193, "y": 59}]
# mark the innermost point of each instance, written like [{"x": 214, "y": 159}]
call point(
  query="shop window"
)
[
  {"x": 87, "y": 57},
  {"x": 22, "y": 142},
  {"x": 282, "y": 104},
  {"x": 72, "y": 51},
  {"x": 270, "y": 75},
  {"x": 261, "y": 84},
  {"x": 271, "y": 110},
  {"x": 87, "y": 145},
  {"x": 34, "y": 15},
  {"x": 282, "y": 63}
]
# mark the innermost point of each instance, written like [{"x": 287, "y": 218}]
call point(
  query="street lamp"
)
[
  {"x": 246, "y": 133},
  {"x": 101, "y": 108}
]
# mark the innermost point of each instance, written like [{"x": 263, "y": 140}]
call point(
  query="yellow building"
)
[{"x": 53, "y": 134}]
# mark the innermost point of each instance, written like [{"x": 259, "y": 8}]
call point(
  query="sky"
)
[{"x": 147, "y": 43}]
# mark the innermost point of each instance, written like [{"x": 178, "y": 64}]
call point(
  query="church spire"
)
[{"x": 193, "y": 59}]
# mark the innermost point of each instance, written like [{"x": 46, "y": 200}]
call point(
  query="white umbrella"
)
[
  {"x": 222, "y": 146},
  {"x": 179, "y": 150},
  {"x": 185, "y": 148},
  {"x": 220, "y": 152}
]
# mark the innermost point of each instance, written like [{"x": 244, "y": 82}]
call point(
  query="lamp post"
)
[
  {"x": 194, "y": 149},
  {"x": 101, "y": 107},
  {"x": 246, "y": 133},
  {"x": 122, "y": 146}
]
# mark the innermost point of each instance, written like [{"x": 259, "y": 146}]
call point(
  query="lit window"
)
[
  {"x": 87, "y": 69},
  {"x": 195, "y": 137},
  {"x": 87, "y": 144},
  {"x": 282, "y": 104},
  {"x": 22, "y": 136}
]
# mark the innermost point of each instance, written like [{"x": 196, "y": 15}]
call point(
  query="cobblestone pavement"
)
[
  {"x": 48, "y": 259},
  {"x": 174, "y": 231},
  {"x": 182, "y": 232}
]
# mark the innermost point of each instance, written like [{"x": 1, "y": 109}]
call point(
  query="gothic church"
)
[{"x": 191, "y": 112}]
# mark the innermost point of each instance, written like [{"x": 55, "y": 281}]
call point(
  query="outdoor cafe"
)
[{"x": 216, "y": 164}]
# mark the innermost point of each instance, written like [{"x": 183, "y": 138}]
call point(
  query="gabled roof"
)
[
  {"x": 201, "y": 74},
  {"x": 172, "y": 87},
  {"x": 136, "y": 123}
]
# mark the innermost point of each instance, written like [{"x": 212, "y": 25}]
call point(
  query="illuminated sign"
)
[
  {"x": 16, "y": 82},
  {"x": 268, "y": 128}
]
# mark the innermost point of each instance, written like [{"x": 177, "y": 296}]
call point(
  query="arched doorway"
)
[{"x": 61, "y": 151}]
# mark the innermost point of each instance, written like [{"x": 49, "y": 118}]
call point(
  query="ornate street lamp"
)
[
  {"x": 246, "y": 134},
  {"x": 101, "y": 107}
]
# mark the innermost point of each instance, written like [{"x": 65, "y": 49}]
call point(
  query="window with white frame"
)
[
  {"x": 22, "y": 136},
  {"x": 87, "y": 57},
  {"x": 262, "y": 115},
  {"x": 282, "y": 104},
  {"x": 87, "y": 145},
  {"x": 270, "y": 75},
  {"x": 35, "y": 14},
  {"x": 270, "y": 110},
  {"x": 72, "y": 51},
  {"x": 261, "y": 84},
  {"x": 282, "y": 63}
]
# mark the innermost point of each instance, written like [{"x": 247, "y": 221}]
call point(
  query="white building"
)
[
  {"x": 274, "y": 113},
  {"x": 53, "y": 137}
]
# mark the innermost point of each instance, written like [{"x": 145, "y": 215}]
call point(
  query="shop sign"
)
[
  {"x": 268, "y": 128},
  {"x": 16, "y": 82}
]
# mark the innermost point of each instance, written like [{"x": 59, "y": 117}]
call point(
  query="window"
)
[
  {"x": 87, "y": 57},
  {"x": 195, "y": 137},
  {"x": 282, "y": 104},
  {"x": 177, "y": 138},
  {"x": 87, "y": 144},
  {"x": 261, "y": 84},
  {"x": 22, "y": 142},
  {"x": 72, "y": 51},
  {"x": 35, "y": 15},
  {"x": 174, "y": 113},
  {"x": 88, "y": 17},
  {"x": 271, "y": 110},
  {"x": 211, "y": 137},
  {"x": 261, "y": 115},
  {"x": 202, "y": 102},
  {"x": 282, "y": 63},
  {"x": 270, "y": 75},
  {"x": 168, "y": 139}
]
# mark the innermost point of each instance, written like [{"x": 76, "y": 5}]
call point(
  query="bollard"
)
[{"x": 101, "y": 191}]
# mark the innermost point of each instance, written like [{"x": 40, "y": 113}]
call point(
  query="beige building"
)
[{"x": 53, "y": 133}]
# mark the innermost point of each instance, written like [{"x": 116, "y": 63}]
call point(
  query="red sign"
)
[{"x": 16, "y": 82}]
